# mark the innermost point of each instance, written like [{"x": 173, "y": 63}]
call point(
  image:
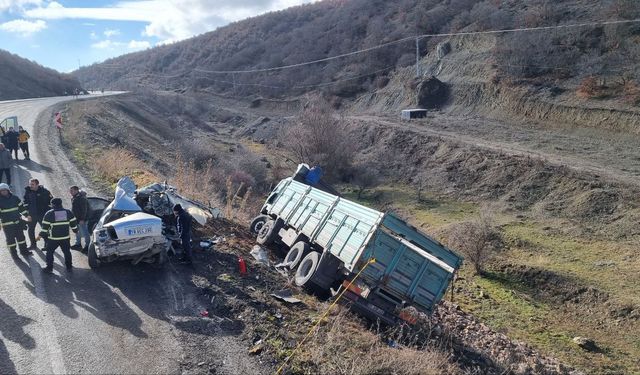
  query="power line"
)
[
  {"x": 329, "y": 83},
  {"x": 411, "y": 38}
]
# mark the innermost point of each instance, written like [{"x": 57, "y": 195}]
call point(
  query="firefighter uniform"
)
[
  {"x": 55, "y": 230},
  {"x": 11, "y": 210}
]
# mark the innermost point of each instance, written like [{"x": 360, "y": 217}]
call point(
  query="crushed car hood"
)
[
  {"x": 163, "y": 197},
  {"x": 123, "y": 200}
]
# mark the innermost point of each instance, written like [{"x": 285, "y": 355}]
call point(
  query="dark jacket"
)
[
  {"x": 11, "y": 140},
  {"x": 11, "y": 208},
  {"x": 6, "y": 161},
  {"x": 80, "y": 205},
  {"x": 37, "y": 202},
  {"x": 63, "y": 220},
  {"x": 184, "y": 224}
]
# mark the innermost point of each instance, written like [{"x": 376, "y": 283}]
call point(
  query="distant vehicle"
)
[
  {"x": 330, "y": 239},
  {"x": 138, "y": 225},
  {"x": 9, "y": 122}
]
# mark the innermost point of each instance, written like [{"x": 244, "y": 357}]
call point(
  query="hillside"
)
[
  {"x": 563, "y": 56},
  {"x": 21, "y": 78}
]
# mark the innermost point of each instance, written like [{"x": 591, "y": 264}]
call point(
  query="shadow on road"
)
[
  {"x": 82, "y": 289},
  {"x": 33, "y": 166},
  {"x": 12, "y": 329}
]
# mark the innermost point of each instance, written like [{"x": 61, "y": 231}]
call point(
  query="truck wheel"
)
[
  {"x": 307, "y": 270},
  {"x": 257, "y": 223},
  {"x": 94, "y": 262},
  {"x": 298, "y": 251},
  {"x": 267, "y": 233}
]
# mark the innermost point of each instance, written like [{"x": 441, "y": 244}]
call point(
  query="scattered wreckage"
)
[{"x": 138, "y": 225}]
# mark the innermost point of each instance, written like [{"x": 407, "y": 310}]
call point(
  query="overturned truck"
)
[
  {"x": 331, "y": 239},
  {"x": 138, "y": 225}
]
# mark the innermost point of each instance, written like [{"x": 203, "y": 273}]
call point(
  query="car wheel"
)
[
  {"x": 307, "y": 270},
  {"x": 297, "y": 252},
  {"x": 94, "y": 262},
  {"x": 267, "y": 233},
  {"x": 257, "y": 223}
]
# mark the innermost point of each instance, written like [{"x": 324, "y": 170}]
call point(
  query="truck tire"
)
[
  {"x": 298, "y": 251},
  {"x": 257, "y": 223},
  {"x": 307, "y": 270},
  {"x": 268, "y": 233},
  {"x": 94, "y": 262}
]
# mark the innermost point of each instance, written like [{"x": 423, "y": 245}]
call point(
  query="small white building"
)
[{"x": 408, "y": 114}]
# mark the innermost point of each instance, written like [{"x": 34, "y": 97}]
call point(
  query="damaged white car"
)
[{"x": 138, "y": 225}]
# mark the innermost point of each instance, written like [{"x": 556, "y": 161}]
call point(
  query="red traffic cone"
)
[{"x": 242, "y": 266}]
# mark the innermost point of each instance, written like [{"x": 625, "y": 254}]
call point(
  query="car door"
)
[{"x": 96, "y": 207}]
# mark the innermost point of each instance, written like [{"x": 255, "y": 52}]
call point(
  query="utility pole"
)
[{"x": 417, "y": 57}]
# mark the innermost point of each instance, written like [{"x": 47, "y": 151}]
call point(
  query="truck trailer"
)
[{"x": 331, "y": 239}]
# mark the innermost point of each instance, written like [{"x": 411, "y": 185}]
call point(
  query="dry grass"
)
[
  {"x": 112, "y": 164},
  {"x": 343, "y": 347}
]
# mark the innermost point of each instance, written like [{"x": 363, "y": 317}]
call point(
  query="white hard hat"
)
[{"x": 4, "y": 186}]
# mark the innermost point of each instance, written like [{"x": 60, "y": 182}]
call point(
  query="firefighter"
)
[
  {"x": 55, "y": 231},
  {"x": 11, "y": 212}
]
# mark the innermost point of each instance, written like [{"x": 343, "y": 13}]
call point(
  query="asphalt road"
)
[{"x": 113, "y": 320}]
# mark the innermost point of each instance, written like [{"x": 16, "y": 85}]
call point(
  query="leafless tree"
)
[
  {"x": 365, "y": 176},
  {"x": 321, "y": 138},
  {"x": 477, "y": 239}
]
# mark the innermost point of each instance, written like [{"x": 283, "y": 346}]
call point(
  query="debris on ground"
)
[
  {"x": 260, "y": 254},
  {"x": 285, "y": 295}
]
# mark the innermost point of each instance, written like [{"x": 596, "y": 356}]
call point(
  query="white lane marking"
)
[{"x": 50, "y": 332}]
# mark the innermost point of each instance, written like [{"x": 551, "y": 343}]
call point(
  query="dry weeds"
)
[
  {"x": 112, "y": 164},
  {"x": 343, "y": 347}
]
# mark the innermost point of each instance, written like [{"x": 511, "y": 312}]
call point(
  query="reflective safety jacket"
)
[
  {"x": 23, "y": 136},
  {"x": 11, "y": 208},
  {"x": 56, "y": 224}
]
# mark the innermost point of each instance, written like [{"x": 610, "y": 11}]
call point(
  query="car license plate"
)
[{"x": 136, "y": 231}]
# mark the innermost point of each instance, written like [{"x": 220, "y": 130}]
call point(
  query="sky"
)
[{"x": 66, "y": 34}]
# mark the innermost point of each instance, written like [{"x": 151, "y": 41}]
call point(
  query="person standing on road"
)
[
  {"x": 37, "y": 200},
  {"x": 12, "y": 141},
  {"x": 80, "y": 209},
  {"x": 5, "y": 163},
  {"x": 184, "y": 230},
  {"x": 23, "y": 140},
  {"x": 55, "y": 231},
  {"x": 11, "y": 212}
]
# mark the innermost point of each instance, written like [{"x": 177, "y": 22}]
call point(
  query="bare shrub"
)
[
  {"x": 477, "y": 239},
  {"x": 197, "y": 150},
  {"x": 590, "y": 88},
  {"x": 631, "y": 93},
  {"x": 199, "y": 183},
  {"x": 320, "y": 138},
  {"x": 365, "y": 176}
]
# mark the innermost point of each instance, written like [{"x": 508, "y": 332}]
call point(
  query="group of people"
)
[
  {"x": 10, "y": 142},
  {"x": 56, "y": 222},
  {"x": 15, "y": 141}
]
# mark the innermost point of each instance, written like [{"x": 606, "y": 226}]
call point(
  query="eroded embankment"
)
[{"x": 587, "y": 202}]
